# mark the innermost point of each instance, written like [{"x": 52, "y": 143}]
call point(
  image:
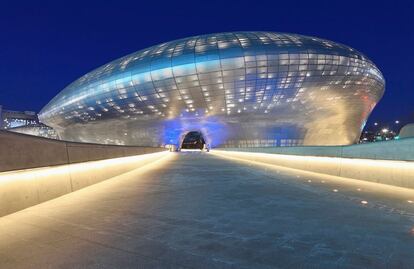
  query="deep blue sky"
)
[{"x": 45, "y": 46}]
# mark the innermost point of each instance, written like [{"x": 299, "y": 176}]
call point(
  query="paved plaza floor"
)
[{"x": 200, "y": 210}]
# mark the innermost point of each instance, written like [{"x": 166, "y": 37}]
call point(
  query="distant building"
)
[
  {"x": 12, "y": 119},
  {"x": 367, "y": 137},
  {"x": 25, "y": 122},
  {"x": 36, "y": 130},
  {"x": 383, "y": 134},
  {"x": 386, "y": 134}
]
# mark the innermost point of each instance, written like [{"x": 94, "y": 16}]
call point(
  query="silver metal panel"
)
[{"x": 241, "y": 89}]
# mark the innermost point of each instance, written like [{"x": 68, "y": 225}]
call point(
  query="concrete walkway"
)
[{"x": 198, "y": 210}]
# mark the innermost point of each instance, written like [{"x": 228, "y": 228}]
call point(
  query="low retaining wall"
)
[
  {"x": 20, "y": 151},
  {"x": 44, "y": 169},
  {"x": 23, "y": 188},
  {"x": 399, "y": 150},
  {"x": 376, "y": 162}
]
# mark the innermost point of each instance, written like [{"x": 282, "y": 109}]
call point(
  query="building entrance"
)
[{"x": 193, "y": 140}]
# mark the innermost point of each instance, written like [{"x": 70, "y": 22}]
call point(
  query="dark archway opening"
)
[{"x": 193, "y": 140}]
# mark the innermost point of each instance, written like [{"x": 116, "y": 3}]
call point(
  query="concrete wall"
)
[
  {"x": 44, "y": 169},
  {"x": 19, "y": 151},
  {"x": 388, "y": 162},
  {"x": 23, "y": 188},
  {"x": 401, "y": 150}
]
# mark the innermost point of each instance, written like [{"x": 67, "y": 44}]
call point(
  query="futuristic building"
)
[
  {"x": 13, "y": 119},
  {"x": 239, "y": 89},
  {"x": 407, "y": 131},
  {"x": 36, "y": 130}
]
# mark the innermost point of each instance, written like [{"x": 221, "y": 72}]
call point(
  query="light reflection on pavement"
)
[{"x": 199, "y": 210}]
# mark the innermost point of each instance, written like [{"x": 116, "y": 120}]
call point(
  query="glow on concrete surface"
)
[
  {"x": 195, "y": 210},
  {"x": 35, "y": 173},
  {"x": 319, "y": 160},
  {"x": 24, "y": 188},
  {"x": 359, "y": 185},
  {"x": 397, "y": 173}
]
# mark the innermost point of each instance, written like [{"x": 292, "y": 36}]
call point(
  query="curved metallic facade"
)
[
  {"x": 240, "y": 89},
  {"x": 36, "y": 130}
]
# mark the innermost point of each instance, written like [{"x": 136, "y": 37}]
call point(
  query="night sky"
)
[{"x": 45, "y": 46}]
